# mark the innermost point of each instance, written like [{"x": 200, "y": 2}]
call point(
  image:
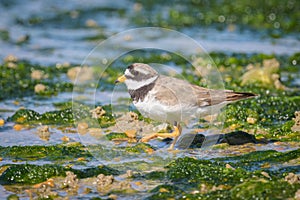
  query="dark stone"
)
[{"x": 238, "y": 138}]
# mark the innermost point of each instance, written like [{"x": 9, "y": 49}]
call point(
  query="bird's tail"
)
[{"x": 235, "y": 96}]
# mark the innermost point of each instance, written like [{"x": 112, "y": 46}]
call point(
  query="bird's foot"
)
[{"x": 175, "y": 134}]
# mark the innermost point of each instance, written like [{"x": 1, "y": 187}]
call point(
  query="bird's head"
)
[{"x": 138, "y": 75}]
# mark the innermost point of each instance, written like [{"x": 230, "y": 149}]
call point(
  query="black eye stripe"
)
[
  {"x": 132, "y": 71},
  {"x": 130, "y": 67}
]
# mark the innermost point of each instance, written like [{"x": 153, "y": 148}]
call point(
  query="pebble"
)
[
  {"x": 113, "y": 196},
  {"x": 98, "y": 112},
  {"x": 18, "y": 127},
  {"x": 80, "y": 74},
  {"x": 229, "y": 166},
  {"x": 296, "y": 126},
  {"x": 82, "y": 126},
  {"x": 81, "y": 159},
  {"x": 65, "y": 139},
  {"x": 10, "y": 58},
  {"x": 37, "y": 75},
  {"x": 265, "y": 174},
  {"x": 71, "y": 180},
  {"x": 292, "y": 178},
  {"x": 251, "y": 120},
  {"x": 49, "y": 182},
  {"x": 39, "y": 88},
  {"x": 91, "y": 23},
  {"x": 297, "y": 195},
  {"x": 2, "y": 122},
  {"x": 130, "y": 133}
]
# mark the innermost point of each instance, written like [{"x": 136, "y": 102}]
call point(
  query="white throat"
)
[{"x": 134, "y": 85}]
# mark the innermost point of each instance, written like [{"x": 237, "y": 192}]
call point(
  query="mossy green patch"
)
[
  {"x": 257, "y": 158},
  {"x": 60, "y": 152},
  {"x": 66, "y": 116},
  {"x": 31, "y": 174},
  {"x": 165, "y": 192},
  {"x": 275, "y": 18},
  {"x": 115, "y": 135},
  {"x": 262, "y": 189},
  {"x": 16, "y": 80},
  {"x": 270, "y": 112},
  {"x": 140, "y": 148},
  {"x": 191, "y": 171}
]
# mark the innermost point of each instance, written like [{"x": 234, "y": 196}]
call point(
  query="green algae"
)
[
  {"x": 190, "y": 171},
  {"x": 140, "y": 148},
  {"x": 275, "y": 18},
  {"x": 60, "y": 152},
  {"x": 31, "y": 174},
  {"x": 115, "y": 135},
  {"x": 26, "y": 116},
  {"x": 16, "y": 80},
  {"x": 187, "y": 174},
  {"x": 272, "y": 113},
  {"x": 65, "y": 116},
  {"x": 165, "y": 192},
  {"x": 257, "y": 158},
  {"x": 262, "y": 189}
]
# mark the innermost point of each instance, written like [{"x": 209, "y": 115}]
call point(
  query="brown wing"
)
[{"x": 171, "y": 91}]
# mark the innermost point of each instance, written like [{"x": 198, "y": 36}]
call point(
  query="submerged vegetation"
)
[
  {"x": 260, "y": 174},
  {"x": 57, "y": 144},
  {"x": 274, "y": 17}
]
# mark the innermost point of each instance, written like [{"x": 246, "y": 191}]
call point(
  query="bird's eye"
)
[{"x": 130, "y": 67}]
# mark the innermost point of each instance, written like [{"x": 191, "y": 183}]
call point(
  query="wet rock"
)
[
  {"x": 38, "y": 88},
  {"x": 129, "y": 173},
  {"x": 104, "y": 181},
  {"x": 297, "y": 195},
  {"x": 11, "y": 58},
  {"x": 82, "y": 127},
  {"x": 44, "y": 132},
  {"x": 23, "y": 39},
  {"x": 267, "y": 74},
  {"x": 113, "y": 197},
  {"x": 296, "y": 126},
  {"x": 2, "y": 122},
  {"x": 228, "y": 166},
  {"x": 91, "y": 23},
  {"x": 130, "y": 133},
  {"x": 65, "y": 139},
  {"x": 265, "y": 174},
  {"x": 49, "y": 182},
  {"x": 292, "y": 178},
  {"x": 133, "y": 116},
  {"x": 18, "y": 127},
  {"x": 80, "y": 74},
  {"x": 251, "y": 120},
  {"x": 38, "y": 75},
  {"x": 238, "y": 138},
  {"x": 233, "y": 138},
  {"x": 45, "y": 192},
  {"x": 71, "y": 181},
  {"x": 196, "y": 142},
  {"x": 12, "y": 65},
  {"x": 98, "y": 112},
  {"x": 131, "y": 120}
]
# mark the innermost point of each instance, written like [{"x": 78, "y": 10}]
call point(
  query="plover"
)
[{"x": 168, "y": 99}]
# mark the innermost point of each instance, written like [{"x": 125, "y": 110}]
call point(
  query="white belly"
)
[{"x": 153, "y": 109}]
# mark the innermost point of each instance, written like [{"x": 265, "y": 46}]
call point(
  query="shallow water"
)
[
  {"x": 58, "y": 33},
  {"x": 61, "y": 36}
]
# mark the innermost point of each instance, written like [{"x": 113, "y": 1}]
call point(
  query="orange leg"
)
[{"x": 175, "y": 134}]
